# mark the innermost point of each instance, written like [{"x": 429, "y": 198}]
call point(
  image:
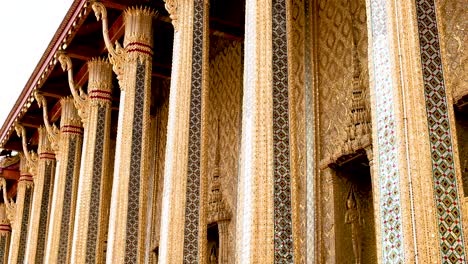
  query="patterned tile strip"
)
[
  {"x": 440, "y": 137},
  {"x": 309, "y": 118},
  {"x": 67, "y": 203},
  {"x": 24, "y": 224},
  {"x": 284, "y": 251},
  {"x": 2, "y": 248},
  {"x": 133, "y": 205},
  {"x": 95, "y": 203},
  {"x": 389, "y": 202},
  {"x": 192, "y": 204},
  {"x": 41, "y": 239}
]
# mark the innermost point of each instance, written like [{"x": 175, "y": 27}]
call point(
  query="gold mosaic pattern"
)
[{"x": 224, "y": 107}]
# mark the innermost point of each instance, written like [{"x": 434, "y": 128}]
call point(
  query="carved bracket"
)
[
  {"x": 52, "y": 130},
  {"x": 80, "y": 97},
  {"x": 30, "y": 156},
  {"x": 10, "y": 204},
  {"x": 117, "y": 54}
]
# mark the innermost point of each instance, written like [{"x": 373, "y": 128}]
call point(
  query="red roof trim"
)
[{"x": 47, "y": 57}]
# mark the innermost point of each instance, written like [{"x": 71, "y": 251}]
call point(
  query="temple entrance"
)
[
  {"x": 355, "y": 227},
  {"x": 213, "y": 244}
]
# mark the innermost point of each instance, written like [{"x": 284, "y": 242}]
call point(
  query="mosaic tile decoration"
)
[
  {"x": 2, "y": 248},
  {"x": 283, "y": 241},
  {"x": 192, "y": 204},
  {"x": 389, "y": 202},
  {"x": 24, "y": 224},
  {"x": 309, "y": 111},
  {"x": 95, "y": 202},
  {"x": 445, "y": 182},
  {"x": 44, "y": 215},
  {"x": 67, "y": 203},
  {"x": 133, "y": 205}
]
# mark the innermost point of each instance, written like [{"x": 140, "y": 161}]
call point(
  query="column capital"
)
[
  {"x": 70, "y": 121},
  {"x": 25, "y": 171},
  {"x": 100, "y": 81},
  {"x": 44, "y": 148},
  {"x": 171, "y": 7},
  {"x": 5, "y": 226}
]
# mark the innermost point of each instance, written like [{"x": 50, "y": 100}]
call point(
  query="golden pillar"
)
[
  {"x": 42, "y": 196},
  {"x": 92, "y": 211},
  {"x": 5, "y": 235},
  {"x": 20, "y": 211},
  {"x": 133, "y": 66},
  {"x": 264, "y": 204},
  {"x": 66, "y": 142},
  {"x": 415, "y": 167},
  {"x": 183, "y": 218}
]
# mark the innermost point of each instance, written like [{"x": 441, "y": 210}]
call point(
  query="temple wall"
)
[
  {"x": 453, "y": 26},
  {"x": 225, "y": 104},
  {"x": 297, "y": 126},
  {"x": 335, "y": 68}
]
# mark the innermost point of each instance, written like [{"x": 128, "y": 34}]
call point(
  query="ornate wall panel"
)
[
  {"x": 224, "y": 106},
  {"x": 452, "y": 28},
  {"x": 440, "y": 136},
  {"x": 297, "y": 125},
  {"x": 335, "y": 68},
  {"x": 387, "y": 160}
]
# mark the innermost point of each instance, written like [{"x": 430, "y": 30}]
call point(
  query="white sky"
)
[{"x": 26, "y": 28}]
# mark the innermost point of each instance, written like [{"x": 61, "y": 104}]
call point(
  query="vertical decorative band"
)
[
  {"x": 192, "y": 204},
  {"x": 133, "y": 206},
  {"x": 44, "y": 214},
  {"x": 3, "y": 248},
  {"x": 284, "y": 251},
  {"x": 67, "y": 203},
  {"x": 389, "y": 202},
  {"x": 445, "y": 181},
  {"x": 24, "y": 223},
  {"x": 309, "y": 119},
  {"x": 95, "y": 202}
]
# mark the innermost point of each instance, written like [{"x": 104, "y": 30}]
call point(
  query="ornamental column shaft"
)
[
  {"x": 183, "y": 218},
  {"x": 133, "y": 65},
  {"x": 41, "y": 200},
  {"x": 94, "y": 189},
  {"x": 67, "y": 145},
  {"x": 21, "y": 213},
  {"x": 418, "y": 178},
  {"x": 5, "y": 235},
  {"x": 264, "y": 203}
]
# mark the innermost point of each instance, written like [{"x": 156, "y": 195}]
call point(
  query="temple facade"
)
[{"x": 242, "y": 131}]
